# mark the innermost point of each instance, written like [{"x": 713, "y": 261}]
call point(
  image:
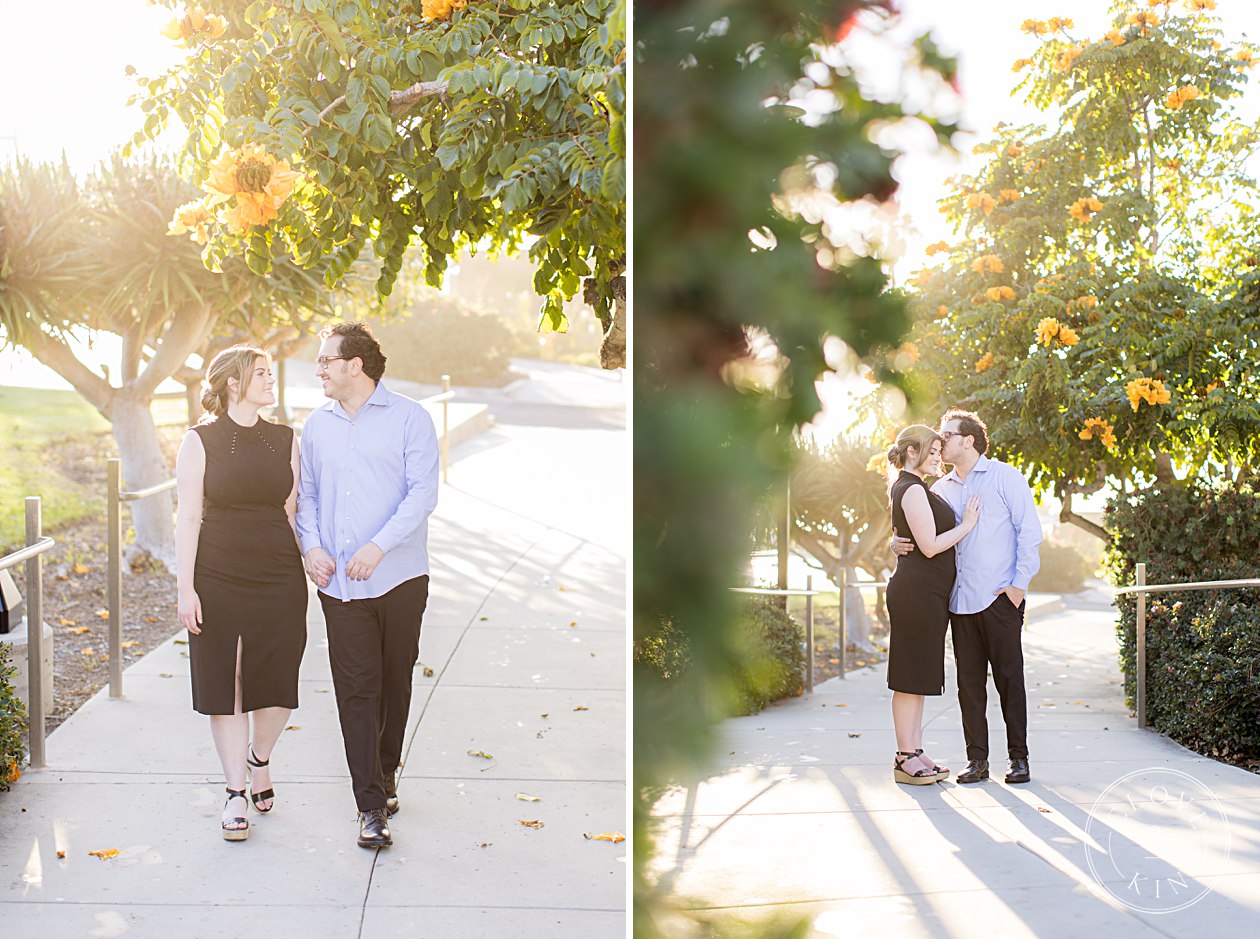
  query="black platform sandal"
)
[
  {"x": 235, "y": 834},
  {"x": 922, "y": 777},
  {"x": 941, "y": 771},
  {"x": 266, "y": 794}
]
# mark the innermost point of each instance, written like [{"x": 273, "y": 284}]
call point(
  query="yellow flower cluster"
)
[
  {"x": 1150, "y": 390},
  {"x": 194, "y": 26},
  {"x": 984, "y": 363},
  {"x": 990, "y": 263},
  {"x": 1082, "y": 303},
  {"x": 942, "y": 310},
  {"x": 1144, "y": 19},
  {"x": 431, "y": 10},
  {"x": 1009, "y": 195},
  {"x": 1059, "y": 22},
  {"x": 1067, "y": 57},
  {"x": 1014, "y": 150},
  {"x": 1000, "y": 293},
  {"x": 1020, "y": 64},
  {"x": 1106, "y": 432},
  {"x": 1083, "y": 209},
  {"x": 924, "y": 277},
  {"x": 12, "y": 773},
  {"x": 1034, "y": 27},
  {"x": 936, "y": 248},
  {"x": 1195, "y": 5},
  {"x": 982, "y": 201},
  {"x": 249, "y": 185},
  {"x": 193, "y": 219},
  {"x": 1116, "y": 37},
  {"x": 1179, "y": 97},
  {"x": 908, "y": 353},
  {"x": 877, "y": 464},
  {"x": 1050, "y": 329},
  {"x": 1245, "y": 58}
]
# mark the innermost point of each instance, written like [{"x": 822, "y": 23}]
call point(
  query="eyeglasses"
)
[
  {"x": 323, "y": 360},
  {"x": 946, "y": 434}
]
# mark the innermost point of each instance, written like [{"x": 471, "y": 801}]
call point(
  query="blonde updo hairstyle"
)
[
  {"x": 235, "y": 362},
  {"x": 917, "y": 437}
]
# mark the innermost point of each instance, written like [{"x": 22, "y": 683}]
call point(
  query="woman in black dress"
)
[
  {"x": 242, "y": 590},
  {"x": 918, "y": 595}
]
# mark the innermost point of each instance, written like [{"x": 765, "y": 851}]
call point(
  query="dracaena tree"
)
[
  {"x": 1099, "y": 305},
  {"x": 435, "y": 127},
  {"x": 95, "y": 256}
]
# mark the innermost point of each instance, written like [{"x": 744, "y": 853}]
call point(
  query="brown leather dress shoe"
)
[
  {"x": 374, "y": 829},
  {"x": 976, "y": 770},
  {"x": 1019, "y": 772}
]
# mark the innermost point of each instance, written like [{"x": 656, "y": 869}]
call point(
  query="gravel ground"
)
[{"x": 74, "y": 587}]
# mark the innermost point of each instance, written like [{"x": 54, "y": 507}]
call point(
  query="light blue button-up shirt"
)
[
  {"x": 371, "y": 477},
  {"x": 1001, "y": 551}
]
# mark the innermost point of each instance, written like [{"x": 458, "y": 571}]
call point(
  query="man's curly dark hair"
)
[{"x": 357, "y": 342}]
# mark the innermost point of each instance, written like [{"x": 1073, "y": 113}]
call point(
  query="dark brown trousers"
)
[
  {"x": 373, "y": 645},
  {"x": 992, "y": 637}
]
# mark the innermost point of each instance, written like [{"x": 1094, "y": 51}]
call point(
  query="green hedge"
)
[
  {"x": 446, "y": 337},
  {"x": 1202, "y": 647},
  {"x": 12, "y": 721},
  {"x": 771, "y": 654}
]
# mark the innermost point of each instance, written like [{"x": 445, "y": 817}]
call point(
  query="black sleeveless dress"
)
[
  {"x": 918, "y": 601},
  {"x": 248, "y": 573}
]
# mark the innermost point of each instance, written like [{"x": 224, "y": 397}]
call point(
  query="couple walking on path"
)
[
  {"x": 967, "y": 551},
  {"x": 350, "y": 508}
]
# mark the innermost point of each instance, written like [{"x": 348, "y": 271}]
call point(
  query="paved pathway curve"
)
[
  {"x": 797, "y": 815},
  {"x": 525, "y": 636}
]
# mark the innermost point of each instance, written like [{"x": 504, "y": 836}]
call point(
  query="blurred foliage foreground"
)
[{"x": 730, "y": 327}]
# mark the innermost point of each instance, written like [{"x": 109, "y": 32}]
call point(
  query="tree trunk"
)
[
  {"x": 143, "y": 465},
  {"x": 857, "y": 623},
  {"x": 612, "y": 351}
]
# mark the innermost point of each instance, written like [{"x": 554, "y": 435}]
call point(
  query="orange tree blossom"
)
[
  {"x": 433, "y": 127},
  {"x": 1125, "y": 353}
]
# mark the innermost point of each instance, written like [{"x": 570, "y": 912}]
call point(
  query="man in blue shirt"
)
[
  {"x": 996, "y": 561},
  {"x": 369, "y": 462}
]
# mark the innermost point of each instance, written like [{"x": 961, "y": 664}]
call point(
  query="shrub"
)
[
  {"x": 12, "y": 722},
  {"x": 1202, "y": 647},
  {"x": 1063, "y": 569},
  {"x": 445, "y": 337},
  {"x": 771, "y": 654},
  {"x": 775, "y": 654}
]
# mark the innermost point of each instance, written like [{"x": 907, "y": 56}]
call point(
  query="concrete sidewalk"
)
[
  {"x": 525, "y": 636},
  {"x": 1120, "y": 833}
]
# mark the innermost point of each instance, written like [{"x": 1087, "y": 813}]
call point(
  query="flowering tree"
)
[
  {"x": 96, "y": 255},
  {"x": 1098, "y": 306},
  {"x": 318, "y": 126}
]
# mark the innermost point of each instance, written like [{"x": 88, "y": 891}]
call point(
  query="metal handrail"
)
[
  {"x": 115, "y": 496},
  {"x": 24, "y": 554},
  {"x": 36, "y": 544},
  {"x": 1141, "y": 589},
  {"x": 808, "y": 593}
]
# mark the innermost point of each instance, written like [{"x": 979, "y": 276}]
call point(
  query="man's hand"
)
[
  {"x": 360, "y": 566},
  {"x": 1014, "y": 594},
  {"x": 901, "y": 546},
  {"x": 319, "y": 566}
]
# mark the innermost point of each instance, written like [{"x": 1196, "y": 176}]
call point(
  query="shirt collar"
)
[
  {"x": 380, "y": 396},
  {"x": 982, "y": 465}
]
